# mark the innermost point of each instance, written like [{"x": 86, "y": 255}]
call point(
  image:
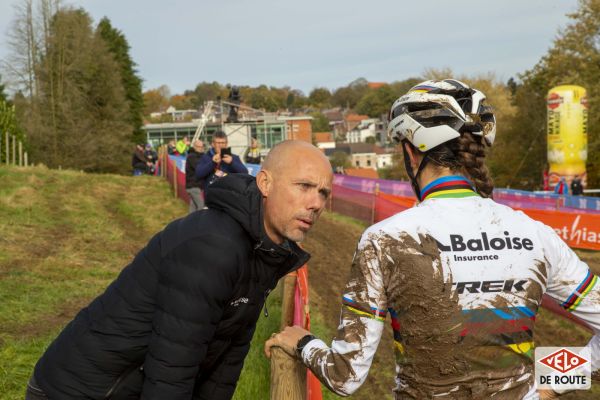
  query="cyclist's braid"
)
[
  {"x": 465, "y": 154},
  {"x": 470, "y": 152}
]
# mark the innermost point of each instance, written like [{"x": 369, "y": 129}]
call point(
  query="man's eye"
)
[{"x": 305, "y": 186}]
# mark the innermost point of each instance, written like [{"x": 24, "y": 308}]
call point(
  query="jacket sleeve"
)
[
  {"x": 237, "y": 166},
  {"x": 344, "y": 366},
  {"x": 205, "y": 166},
  {"x": 572, "y": 284},
  {"x": 222, "y": 381},
  {"x": 195, "y": 282}
]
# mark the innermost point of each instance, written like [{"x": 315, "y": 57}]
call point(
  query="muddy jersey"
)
[{"x": 462, "y": 278}]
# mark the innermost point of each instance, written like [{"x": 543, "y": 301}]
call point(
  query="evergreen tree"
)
[
  {"x": 132, "y": 83},
  {"x": 81, "y": 116}
]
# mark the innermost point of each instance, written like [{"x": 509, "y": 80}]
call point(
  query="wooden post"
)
[
  {"x": 7, "y": 151},
  {"x": 25, "y": 159},
  {"x": 175, "y": 178},
  {"x": 288, "y": 376},
  {"x": 14, "y": 150},
  {"x": 287, "y": 299},
  {"x": 20, "y": 154}
]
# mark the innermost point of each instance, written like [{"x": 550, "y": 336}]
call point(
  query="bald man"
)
[{"x": 178, "y": 320}]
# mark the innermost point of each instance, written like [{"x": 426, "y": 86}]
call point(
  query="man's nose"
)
[{"x": 316, "y": 202}]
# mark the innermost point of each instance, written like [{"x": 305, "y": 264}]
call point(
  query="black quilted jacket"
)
[{"x": 177, "y": 322}]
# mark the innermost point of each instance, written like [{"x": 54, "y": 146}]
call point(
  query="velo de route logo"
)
[{"x": 563, "y": 368}]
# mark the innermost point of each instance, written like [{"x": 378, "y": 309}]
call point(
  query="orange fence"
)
[{"x": 578, "y": 229}]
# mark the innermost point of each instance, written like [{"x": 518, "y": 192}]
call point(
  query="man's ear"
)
[{"x": 264, "y": 182}]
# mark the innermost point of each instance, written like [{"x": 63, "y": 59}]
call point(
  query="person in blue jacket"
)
[{"x": 214, "y": 165}]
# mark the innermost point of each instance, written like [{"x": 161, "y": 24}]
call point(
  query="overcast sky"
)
[{"x": 310, "y": 43}]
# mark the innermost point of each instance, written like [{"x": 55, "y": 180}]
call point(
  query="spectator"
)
[
  {"x": 561, "y": 187},
  {"x": 172, "y": 148},
  {"x": 151, "y": 156},
  {"x": 212, "y": 166},
  {"x": 546, "y": 179},
  {"x": 253, "y": 154},
  {"x": 177, "y": 322},
  {"x": 192, "y": 184},
  {"x": 139, "y": 162},
  {"x": 183, "y": 146},
  {"x": 576, "y": 186}
]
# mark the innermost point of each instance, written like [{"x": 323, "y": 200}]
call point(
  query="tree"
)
[
  {"x": 320, "y": 123},
  {"x": 3, "y": 96},
  {"x": 320, "y": 97},
  {"x": 376, "y": 102},
  {"x": 132, "y": 83},
  {"x": 349, "y": 96},
  {"x": 81, "y": 115},
  {"x": 156, "y": 100},
  {"x": 340, "y": 159}
]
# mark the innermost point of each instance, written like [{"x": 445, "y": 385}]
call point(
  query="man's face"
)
[
  {"x": 297, "y": 196},
  {"x": 219, "y": 143},
  {"x": 198, "y": 146}
]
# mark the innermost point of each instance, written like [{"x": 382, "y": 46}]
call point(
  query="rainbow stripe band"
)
[
  {"x": 372, "y": 312},
  {"x": 454, "y": 186},
  {"x": 582, "y": 290}
]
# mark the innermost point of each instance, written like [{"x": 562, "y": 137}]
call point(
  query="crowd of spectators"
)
[{"x": 202, "y": 167}]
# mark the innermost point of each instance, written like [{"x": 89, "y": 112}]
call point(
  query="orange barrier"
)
[
  {"x": 579, "y": 230},
  {"x": 302, "y": 318}
]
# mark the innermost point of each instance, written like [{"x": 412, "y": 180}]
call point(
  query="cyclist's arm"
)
[
  {"x": 344, "y": 366},
  {"x": 574, "y": 286}
]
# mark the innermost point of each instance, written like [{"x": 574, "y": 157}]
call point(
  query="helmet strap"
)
[{"x": 409, "y": 170}]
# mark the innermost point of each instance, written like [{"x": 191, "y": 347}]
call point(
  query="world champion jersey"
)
[{"x": 462, "y": 278}]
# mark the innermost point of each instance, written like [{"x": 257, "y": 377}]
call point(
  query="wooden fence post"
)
[
  {"x": 288, "y": 376},
  {"x": 25, "y": 159},
  {"x": 174, "y": 178},
  {"x": 7, "y": 151},
  {"x": 287, "y": 299},
  {"x": 20, "y": 154},
  {"x": 14, "y": 150}
]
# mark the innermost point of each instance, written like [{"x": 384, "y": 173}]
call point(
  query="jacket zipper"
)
[{"x": 265, "y": 303}]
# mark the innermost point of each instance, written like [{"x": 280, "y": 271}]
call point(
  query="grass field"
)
[{"x": 65, "y": 235}]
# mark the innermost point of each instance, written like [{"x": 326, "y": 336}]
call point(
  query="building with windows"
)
[{"x": 269, "y": 129}]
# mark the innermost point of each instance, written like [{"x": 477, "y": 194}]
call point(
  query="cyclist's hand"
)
[{"x": 548, "y": 394}]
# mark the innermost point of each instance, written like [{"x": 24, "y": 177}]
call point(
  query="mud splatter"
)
[{"x": 438, "y": 360}]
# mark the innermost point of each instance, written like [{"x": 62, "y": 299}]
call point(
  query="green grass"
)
[{"x": 64, "y": 236}]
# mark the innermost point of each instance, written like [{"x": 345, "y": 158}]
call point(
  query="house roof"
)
[
  {"x": 362, "y": 172},
  {"x": 376, "y": 85},
  {"x": 355, "y": 117},
  {"x": 321, "y": 137}
]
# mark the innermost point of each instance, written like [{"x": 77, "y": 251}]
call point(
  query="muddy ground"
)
[{"x": 332, "y": 243}]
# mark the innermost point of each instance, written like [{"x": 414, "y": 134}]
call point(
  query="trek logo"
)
[
  {"x": 239, "y": 301},
  {"x": 508, "y": 286},
  {"x": 457, "y": 243}
]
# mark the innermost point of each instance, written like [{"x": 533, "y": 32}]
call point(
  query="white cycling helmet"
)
[{"x": 435, "y": 112}]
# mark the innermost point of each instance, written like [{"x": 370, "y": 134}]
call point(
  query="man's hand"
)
[
  {"x": 547, "y": 394},
  {"x": 216, "y": 158},
  {"x": 286, "y": 339},
  {"x": 227, "y": 159}
]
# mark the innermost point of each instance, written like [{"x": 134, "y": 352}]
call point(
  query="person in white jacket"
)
[{"x": 461, "y": 275}]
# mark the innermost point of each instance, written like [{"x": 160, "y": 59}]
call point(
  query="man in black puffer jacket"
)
[{"x": 177, "y": 322}]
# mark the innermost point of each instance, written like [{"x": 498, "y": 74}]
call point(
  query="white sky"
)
[{"x": 305, "y": 44}]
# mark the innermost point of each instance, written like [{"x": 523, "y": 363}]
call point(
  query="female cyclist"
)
[{"x": 461, "y": 276}]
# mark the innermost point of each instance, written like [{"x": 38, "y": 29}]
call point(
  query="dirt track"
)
[{"x": 332, "y": 244}]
